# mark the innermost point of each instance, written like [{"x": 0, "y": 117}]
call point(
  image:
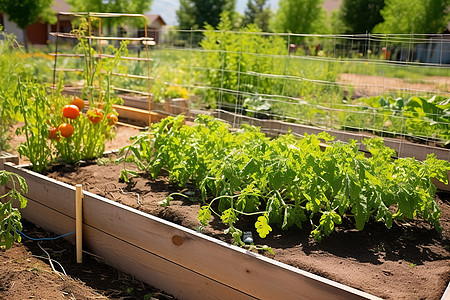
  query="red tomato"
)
[
  {"x": 78, "y": 102},
  {"x": 66, "y": 130},
  {"x": 112, "y": 119},
  {"x": 94, "y": 115},
  {"x": 71, "y": 111},
  {"x": 53, "y": 133}
]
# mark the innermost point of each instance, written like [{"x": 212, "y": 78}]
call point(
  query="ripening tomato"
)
[
  {"x": 53, "y": 133},
  {"x": 78, "y": 102},
  {"x": 94, "y": 115},
  {"x": 66, "y": 130},
  {"x": 112, "y": 119},
  {"x": 71, "y": 111}
]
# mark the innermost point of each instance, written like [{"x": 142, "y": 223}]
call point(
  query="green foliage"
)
[
  {"x": 10, "y": 216},
  {"x": 197, "y": 13},
  {"x": 11, "y": 63},
  {"x": 286, "y": 181},
  {"x": 34, "y": 106},
  {"x": 176, "y": 91},
  {"x": 231, "y": 55},
  {"x": 27, "y": 12},
  {"x": 415, "y": 117},
  {"x": 360, "y": 16},
  {"x": 304, "y": 16},
  {"x": 117, "y": 6},
  {"x": 257, "y": 13},
  {"x": 417, "y": 16}
]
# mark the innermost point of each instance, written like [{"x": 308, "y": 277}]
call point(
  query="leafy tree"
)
[
  {"x": 257, "y": 13},
  {"x": 197, "y": 13},
  {"x": 414, "y": 16},
  {"x": 27, "y": 12},
  {"x": 300, "y": 16},
  {"x": 112, "y": 6},
  {"x": 360, "y": 16}
]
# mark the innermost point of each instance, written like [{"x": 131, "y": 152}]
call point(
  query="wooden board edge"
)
[
  {"x": 446, "y": 295},
  {"x": 144, "y": 265}
]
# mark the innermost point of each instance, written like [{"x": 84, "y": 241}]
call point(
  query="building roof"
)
[
  {"x": 153, "y": 18},
  {"x": 60, "y": 6},
  {"x": 331, "y": 5}
]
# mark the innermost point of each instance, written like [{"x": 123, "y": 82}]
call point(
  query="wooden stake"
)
[{"x": 79, "y": 222}]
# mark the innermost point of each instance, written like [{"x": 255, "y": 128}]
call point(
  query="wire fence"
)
[
  {"x": 391, "y": 85},
  {"x": 388, "y": 85}
]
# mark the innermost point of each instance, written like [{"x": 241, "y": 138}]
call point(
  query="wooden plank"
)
[
  {"x": 174, "y": 279},
  {"x": 249, "y": 273},
  {"x": 132, "y": 259},
  {"x": 446, "y": 295},
  {"x": 50, "y": 192},
  {"x": 140, "y": 115},
  {"x": 8, "y": 157},
  {"x": 403, "y": 148}
]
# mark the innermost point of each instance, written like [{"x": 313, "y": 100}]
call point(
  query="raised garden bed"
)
[
  {"x": 191, "y": 265},
  {"x": 182, "y": 262}
]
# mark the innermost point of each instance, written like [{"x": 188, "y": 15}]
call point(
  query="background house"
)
[
  {"x": 39, "y": 33},
  {"x": 155, "y": 28}
]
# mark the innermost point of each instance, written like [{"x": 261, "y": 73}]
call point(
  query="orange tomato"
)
[
  {"x": 78, "y": 102},
  {"x": 94, "y": 115},
  {"x": 112, "y": 119},
  {"x": 71, "y": 111},
  {"x": 53, "y": 133},
  {"x": 66, "y": 130}
]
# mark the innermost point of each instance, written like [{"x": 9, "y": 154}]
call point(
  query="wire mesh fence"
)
[
  {"x": 391, "y": 85},
  {"x": 388, "y": 85}
]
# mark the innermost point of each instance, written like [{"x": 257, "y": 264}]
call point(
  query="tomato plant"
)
[
  {"x": 95, "y": 115},
  {"x": 10, "y": 216},
  {"x": 287, "y": 181},
  {"x": 34, "y": 106},
  {"x": 78, "y": 102},
  {"x": 112, "y": 119},
  {"x": 53, "y": 133},
  {"x": 71, "y": 111},
  {"x": 66, "y": 130}
]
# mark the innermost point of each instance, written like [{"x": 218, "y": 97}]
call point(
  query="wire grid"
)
[
  {"x": 98, "y": 42},
  {"x": 318, "y": 79}
]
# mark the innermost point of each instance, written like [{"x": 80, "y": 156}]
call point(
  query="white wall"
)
[{"x": 11, "y": 27}]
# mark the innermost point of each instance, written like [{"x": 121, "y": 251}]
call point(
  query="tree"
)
[
  {"x": 197, "y": 13},
  {"x": 256, "y": 13},
  {"x": 414, "y": 16},
  {"x": 27, "y": 12},
  {"x": 111, "y": 6},
  {"x": 360, "y": 16},
  {"x": 300, "y": 16}
]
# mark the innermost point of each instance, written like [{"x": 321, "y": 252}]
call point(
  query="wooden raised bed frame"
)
[{"x": 182, "y": 262}]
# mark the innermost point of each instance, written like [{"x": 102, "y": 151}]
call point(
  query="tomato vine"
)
[{"x": 287, "y": 181}]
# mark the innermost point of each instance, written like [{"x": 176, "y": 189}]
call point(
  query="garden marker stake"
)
[{"x": 79, "y": 222}]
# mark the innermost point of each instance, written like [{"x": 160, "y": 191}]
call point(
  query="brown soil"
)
[
  {"x": 409, "y": 261},
  {"x": 370, "y": 85},
  {"x": 25, "y": 271}
]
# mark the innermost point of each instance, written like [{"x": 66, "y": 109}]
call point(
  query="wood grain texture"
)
[{"x": 218, "y": 267}]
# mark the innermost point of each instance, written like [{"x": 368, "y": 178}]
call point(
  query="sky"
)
[{"x": 167, "y": 8}]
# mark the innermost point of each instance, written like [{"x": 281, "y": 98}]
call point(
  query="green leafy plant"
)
[
  {"x": 10, "y": 216},
  {"x": 286, "y": 181},
  {"x": 11, "y": 64},
  {"x": 176, "y": 91},
  {"x": 34, "y": 105}
]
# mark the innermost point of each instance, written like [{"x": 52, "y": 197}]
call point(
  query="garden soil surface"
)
[{"x": 409, "y": 261}]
